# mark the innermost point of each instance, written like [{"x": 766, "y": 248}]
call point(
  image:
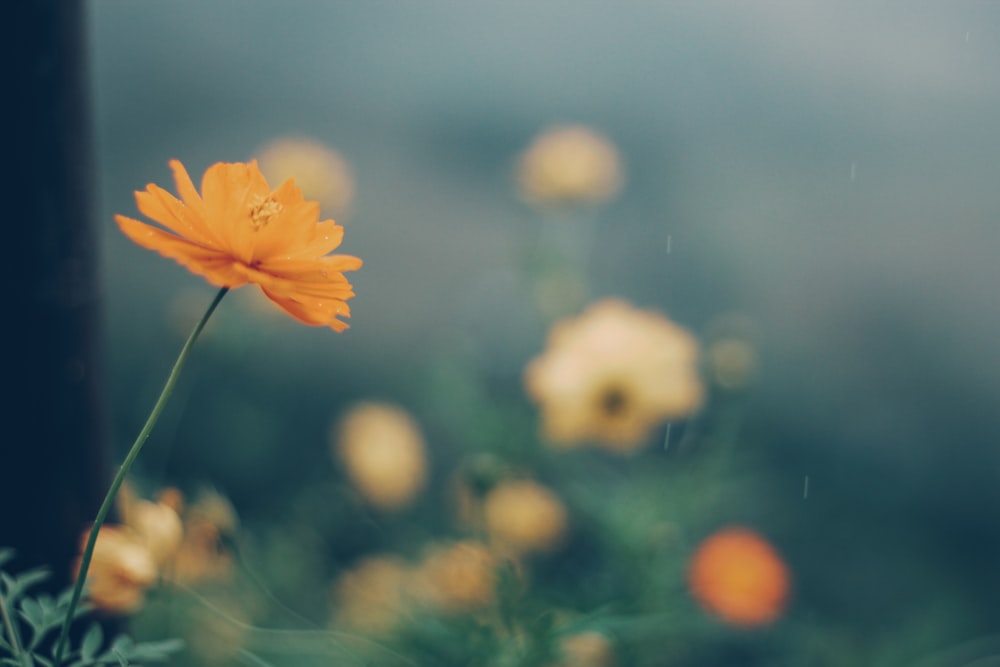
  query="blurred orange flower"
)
[
  {"x": 121, "y": 570},
  {"x": 738, "y": 576},
  {"x": 612, "y": 374},
  {"x": 457, "y": 577},
  {"x": 240, "y": 231}
]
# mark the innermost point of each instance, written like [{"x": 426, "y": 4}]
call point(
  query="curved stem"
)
[{"x": 109, "y": 499}]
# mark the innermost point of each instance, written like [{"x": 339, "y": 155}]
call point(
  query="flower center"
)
[
  {"x": 613, "y": 401},
  {"x": 262, "y": 210}
]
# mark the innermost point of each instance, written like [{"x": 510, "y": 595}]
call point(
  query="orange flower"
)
[
  {"x": 738, "y": 576},
  {"x": 239, "y": 231}
]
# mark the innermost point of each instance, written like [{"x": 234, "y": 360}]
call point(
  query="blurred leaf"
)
[
  {"x": 91, "y": 642},
  {"x": 16, "y": 586},
  {"x": 31, "y": 612}
]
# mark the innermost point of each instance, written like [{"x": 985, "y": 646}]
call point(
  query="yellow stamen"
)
[{"x": 262, "y": 210}]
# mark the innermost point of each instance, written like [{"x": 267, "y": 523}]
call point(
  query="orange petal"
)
[
  {"x": 215, "y": 266},
  {"x": 312, "y": 270},
  {"x": 228, "y": 190},
  {"x": 186, "y": 189},
  {"x": 159, "y": 205},
  {"x": 313, "y": 313}
]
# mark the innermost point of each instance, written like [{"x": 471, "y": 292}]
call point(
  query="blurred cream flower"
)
[
  {"x": 523, "y": 516},
  {"x": 586, "y": 649},
  {"x": 570, "y": 164},
  {"x": 372, "y": 595},
  {"x": 321, "y": 173},
  {"x": 383, "y": 451},
  {"x": 612, "y": 374},
  {"x": 155, "y": 525},
  {"x": 121, "y": 571},
  {"x": 457, "y": 577}
]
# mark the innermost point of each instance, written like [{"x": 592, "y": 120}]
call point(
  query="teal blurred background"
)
[{"x": 827, "y": 170}]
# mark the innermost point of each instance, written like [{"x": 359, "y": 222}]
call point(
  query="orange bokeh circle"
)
[{"x": 738, "y": 576}]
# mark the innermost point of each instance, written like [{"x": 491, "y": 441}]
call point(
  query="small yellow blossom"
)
[
  {"x": 523, "y": 516},
  {"x": 371, "y": 596},
  {"x": 455, "y": 578},
  {"x": 570, "y": 164},
  {"x": 321, "y": 172},
  {"x": 612, "y": 374},
  {"x": 384, "y": 454}
]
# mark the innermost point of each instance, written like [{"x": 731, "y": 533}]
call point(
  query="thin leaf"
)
[
  {"x": 62, "y": 602},
  {"x": 20, "y": 584},
  {"x": 91, "y": 643},
  {"x": 122, "y": 660},
  {"x": 6, "y": 554},
  {"x": 31, "y": 611}
]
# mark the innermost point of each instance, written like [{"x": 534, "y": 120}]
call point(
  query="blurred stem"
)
[{"x": 109, "y": 499}]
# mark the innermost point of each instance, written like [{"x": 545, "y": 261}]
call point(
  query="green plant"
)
[{"x": 29, "y": 622}]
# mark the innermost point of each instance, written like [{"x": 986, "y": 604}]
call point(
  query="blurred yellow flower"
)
[
  {"x": 321, "y": 172},
  {"x": 613, "y": 374},
  {"x": 383, "y": 452},
  {"x": 121, "y": 571},
  {"x": 457, "y": 577},
  {"x": 569, "y": 164},
  {"x": 586, "y": 649},
  {"x": 371, "y": 596},
  {"x": 523, "y": 516}
]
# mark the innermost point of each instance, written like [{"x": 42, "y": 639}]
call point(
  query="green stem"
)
[{"x": 109, "y": 499}]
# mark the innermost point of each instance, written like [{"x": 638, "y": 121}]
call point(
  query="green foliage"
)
[{"x": 30, "y": 622}]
